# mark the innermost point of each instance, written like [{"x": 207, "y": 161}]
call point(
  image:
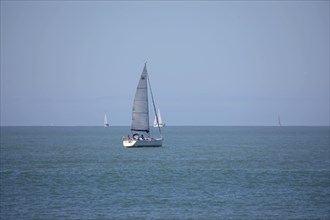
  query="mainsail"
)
[{"x": 140, "y": 113}]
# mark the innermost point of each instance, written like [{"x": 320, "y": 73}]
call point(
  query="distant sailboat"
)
[
  {"x": 140, "y": 116},
  {"x": 160, "y": 121},
  {"x": 279, "y": 121},
  {"x": 106, "y": 123}
]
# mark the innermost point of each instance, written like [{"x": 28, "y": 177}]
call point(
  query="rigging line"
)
[{"x": 153, "y": 103}]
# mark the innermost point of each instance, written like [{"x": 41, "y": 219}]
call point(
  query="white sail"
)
[
  {"x": 106, "y": 123},
  {"x": 279, "y": 121},
  {"x": 160, "y": 121},
  {"x": 140, "y": 112}
]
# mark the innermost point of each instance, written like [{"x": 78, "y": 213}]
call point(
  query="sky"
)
[{"x": 220, "y": 63}]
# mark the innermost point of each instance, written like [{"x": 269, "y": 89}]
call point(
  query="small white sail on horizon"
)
[
  {"x": 279, "y": 121},
  {"x": 160, "y": 123},
  {"x": 106, "y": 123}
]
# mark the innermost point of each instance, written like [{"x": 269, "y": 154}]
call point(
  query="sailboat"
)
[
  {"x": 140, "y": 116},
  {"x": 106, "y": 123},
  {"x": 160, "y": 121},
  {"x": 279, "y": 121}
]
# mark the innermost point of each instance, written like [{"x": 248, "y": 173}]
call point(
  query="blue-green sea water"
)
[{"x": 199, "y": 173}]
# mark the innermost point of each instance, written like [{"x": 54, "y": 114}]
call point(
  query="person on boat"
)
[{"x": 136, "y": 136}]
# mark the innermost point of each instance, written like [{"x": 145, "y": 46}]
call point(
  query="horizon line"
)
[{"x": 167, "y": 126}]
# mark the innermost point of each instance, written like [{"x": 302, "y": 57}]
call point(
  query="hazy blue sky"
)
[{"x": 210, "y": 63}]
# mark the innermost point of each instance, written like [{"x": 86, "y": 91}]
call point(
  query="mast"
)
[{"x": 154, "y": 106}]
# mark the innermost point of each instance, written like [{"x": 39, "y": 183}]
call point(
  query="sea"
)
[{"x": 201, "y": 172}]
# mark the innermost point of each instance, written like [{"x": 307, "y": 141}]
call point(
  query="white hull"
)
[{"x": 143, "y": 143}]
